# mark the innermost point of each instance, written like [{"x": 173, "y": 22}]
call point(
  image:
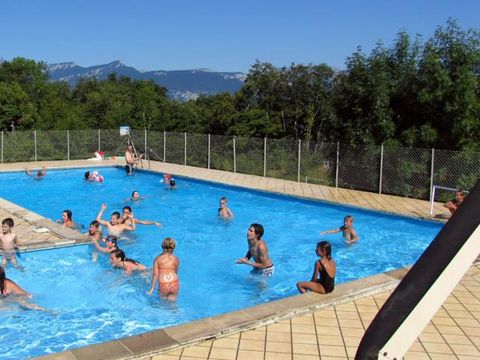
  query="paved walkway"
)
[{"x": 334, "y": 333}]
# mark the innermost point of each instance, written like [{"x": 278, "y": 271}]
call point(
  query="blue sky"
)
[{"x": 218, "y": 35}]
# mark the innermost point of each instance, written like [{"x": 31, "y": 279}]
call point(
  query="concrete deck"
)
[{"x": 300, "y": 327}]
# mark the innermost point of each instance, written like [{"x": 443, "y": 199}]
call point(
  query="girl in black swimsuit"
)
[{"x": 323, "y": 278}]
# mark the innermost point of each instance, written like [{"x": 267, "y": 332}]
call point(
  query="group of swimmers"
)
[{"x": 165, "y": 265}]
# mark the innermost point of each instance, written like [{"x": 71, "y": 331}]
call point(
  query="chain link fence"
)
[{"x": 386, "y": 170}]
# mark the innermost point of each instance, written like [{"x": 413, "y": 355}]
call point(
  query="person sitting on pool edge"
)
[
  {"x": 39, "y": 175},
  {"x": 349, "y": 233},
  {"x": 165, "y": 272},
  {"x": 257, "y": 249},
  {"x": 454, "y": 204},
  {"x": 224, "y": 211},
  {"x": 114, "y": 226},
  {"x": 323, "y": 278},
  {"x": 119, "y": 260}
]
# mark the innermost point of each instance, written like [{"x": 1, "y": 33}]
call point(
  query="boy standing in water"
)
[
  {"x": 9, "y": 242},
  {"x": 349, "y": 233}
]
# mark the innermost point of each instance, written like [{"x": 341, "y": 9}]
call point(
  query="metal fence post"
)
[
  {"x": 208, "y": 160},
  {"x": 164, "y": 146},
  {"x": 234, "y": 157},
  {"x": 338, "y": 160},
  {"x": 99, "y": 144},
  {"x": 2, "y": 147},
  {"x": 381, "y": 170},
  {"x": 299, "y": 159},
  {"x": 432, "y": 169},
  {"x": 35, "y": 143},
  {"x": 264, "y": 157},
  {"x": 185, "y": 150},
  {"x": 146, "y": 141},
  {"x": 68, "y": 144}
]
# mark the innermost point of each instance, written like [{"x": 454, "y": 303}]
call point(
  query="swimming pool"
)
[{"x": 93, "y": 303}]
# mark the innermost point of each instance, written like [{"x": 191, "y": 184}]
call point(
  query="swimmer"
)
[
  {"x": 172, "y": 184},
  {"x": 127, "y": 211},
  {"x": 39, "y": 175},
  {"x": 349, "y": 233},
  {"x": 323, "y": 278},
  {"x": 223, "y": 210},
  {"x": 257, "y": 249},
  {"x": 136, "y": 196},
  {"x": 9, "y": 287},
  {"x": 165, "y": 272},
  {"x": 95, "y": 231},
  {"x": 118, "y": 260},
  {"x": 66, "y": 220},
  {"x": 93, "y": 176},
  {"x": 9, "y": 242},
  {"x": 114, "y": 226},
  {"x": 110, "y": 242}
]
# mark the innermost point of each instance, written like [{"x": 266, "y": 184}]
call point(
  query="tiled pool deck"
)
[{"x": 309, "y": 326}]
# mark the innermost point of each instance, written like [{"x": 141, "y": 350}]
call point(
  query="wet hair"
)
[
  {"x": 95, "y": 223},
  {"x": 69, "y": 214},
  {"x": 348, "y": 217},
  {"x": 112, "y": 238},
  {"x": 119, "y": 253},
  {"x": 172, "y": 182},
  {"x": 8, "y": 221},
  {"x": 168, "y": 245},
  {"x": 258, "y": 230},
  {"x": 128, "y": 208},
  {"x": 2, "y": 281},
  {"x": 133, "y": 192},
  {"x": 87, "y": 175},
  {"x": 116, "y": 214},
  {"x": 326, "y": 247}
]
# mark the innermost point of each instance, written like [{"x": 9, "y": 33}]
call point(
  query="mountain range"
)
[{"x": 182, "y": 85}]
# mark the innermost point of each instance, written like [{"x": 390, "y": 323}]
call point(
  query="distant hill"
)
[{"x": 181, "y": 84}]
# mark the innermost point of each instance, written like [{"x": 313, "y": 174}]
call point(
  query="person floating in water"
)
[
  {"x": 9, "y": 242},
  {"x": 323, "y": 278},
  {"x": 135, "y": 196},
  {"x": 127, "y": 211},
  {"x": 93, "y": 176},
  {"x": 66, "y": 220},
  {"x": 39, "y": 175},
  {"x": 114, "y": 226},
  {"x": 454, "y": 204},
  {"x": 131, "y": 160},
  {"x": 349, "y": 233},
  {"x": 165, "y": 270},
  {"x": 9, "y": 287},
  {"x": 224, "y": 211},
  {"x": 257, "y": 249},
  {"x": 119, "y": 260}
]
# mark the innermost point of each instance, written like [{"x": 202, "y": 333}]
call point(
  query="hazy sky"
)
[{"x": 218, "y": 35}]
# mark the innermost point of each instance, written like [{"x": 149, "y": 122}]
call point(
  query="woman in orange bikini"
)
[
  {"x": 165, "y": 269},
  {"x": 119, "y": 260}
]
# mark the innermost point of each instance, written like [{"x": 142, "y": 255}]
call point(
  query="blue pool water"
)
[{"x": 91, "y": 303}]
